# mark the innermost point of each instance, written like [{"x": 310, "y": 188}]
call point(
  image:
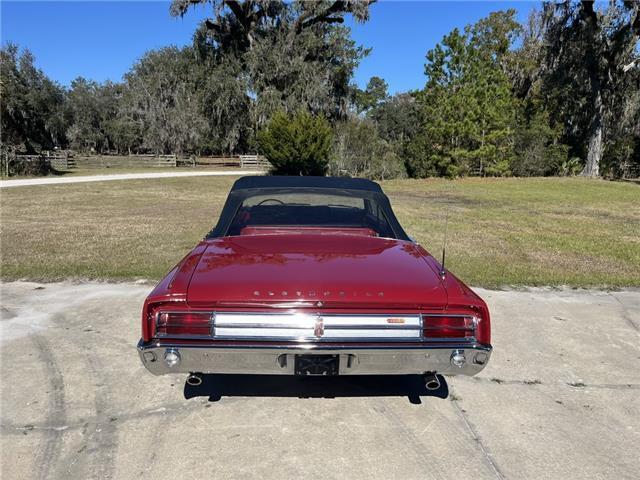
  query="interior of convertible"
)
[{"x": 310, "y": 213}]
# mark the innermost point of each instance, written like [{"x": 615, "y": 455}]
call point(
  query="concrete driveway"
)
[{"x": 559, "y": 399}]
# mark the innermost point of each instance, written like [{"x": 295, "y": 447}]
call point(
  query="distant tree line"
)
[{"x": 557, "y": 95}]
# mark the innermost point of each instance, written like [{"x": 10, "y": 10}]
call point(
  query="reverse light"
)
[
  {"x": 458, "y": 359},
  {"x": 183, "y": 324},
  {"x": 172, "y": 357},
  {"x": 449, "y": 326}
]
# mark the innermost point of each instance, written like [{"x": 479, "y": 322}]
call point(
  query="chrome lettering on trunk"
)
[{"x": 312, "y": 293}]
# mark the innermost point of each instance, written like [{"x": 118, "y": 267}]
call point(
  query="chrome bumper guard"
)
[{"x": 449, "y": 359}]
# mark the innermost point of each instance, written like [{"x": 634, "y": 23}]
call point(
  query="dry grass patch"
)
[
  {"x": 111, "y": 230},
  {"x": 552, "y": 231},
  {"x": 501, "y": 231}
]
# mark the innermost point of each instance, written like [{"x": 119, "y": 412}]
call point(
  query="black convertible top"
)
[
  {"x": 343, "y": 183},
  {"x": 246, "y": 187}
]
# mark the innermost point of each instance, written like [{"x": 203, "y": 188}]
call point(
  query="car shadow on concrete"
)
[{"x": 217, "y": 387}]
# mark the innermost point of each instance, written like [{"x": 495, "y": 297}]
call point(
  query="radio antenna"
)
[{"x": 443, "y": 272}]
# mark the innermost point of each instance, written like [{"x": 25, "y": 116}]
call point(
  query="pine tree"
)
[{"x": 468, "y": 109}]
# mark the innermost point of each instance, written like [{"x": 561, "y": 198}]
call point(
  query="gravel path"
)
[{"x": 27, "y": 182}]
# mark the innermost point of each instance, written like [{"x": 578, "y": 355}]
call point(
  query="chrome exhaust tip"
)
[
  {"x": 431, "y": 381},
  {"x": 194, "y": 379}
]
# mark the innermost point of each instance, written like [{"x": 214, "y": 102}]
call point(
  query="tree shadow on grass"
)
[
  {"x": 59, "y": 173},
  {"x": 411, "y": 386}
]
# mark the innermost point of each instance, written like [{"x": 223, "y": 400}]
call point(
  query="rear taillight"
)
[
  {"x": 182, "y": 324},
  {"x": 449, "y": 326}
]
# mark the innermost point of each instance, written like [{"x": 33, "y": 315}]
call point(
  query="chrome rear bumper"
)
[{"x": 354, "y": 360}]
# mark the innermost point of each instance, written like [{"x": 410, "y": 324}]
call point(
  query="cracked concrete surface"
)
[{"x": 560, "y": 398}]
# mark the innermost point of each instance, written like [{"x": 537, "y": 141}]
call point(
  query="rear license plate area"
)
[{"x": 317, "y": 365}]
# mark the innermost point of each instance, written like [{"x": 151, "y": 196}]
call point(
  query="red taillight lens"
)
[
  {"x": 169, "y": 324},
  {"x": 449, "y": 326}
]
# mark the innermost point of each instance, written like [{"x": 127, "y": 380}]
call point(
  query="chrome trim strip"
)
[
  {"x": 450, "y": 345},
  {"x": 326, "y": 327},
  {"x": 465, "y": 340},
  {"x": 318, "y": 339},
  {"x": 449, "y": 340},
  {"x": 309, "y": 315}
]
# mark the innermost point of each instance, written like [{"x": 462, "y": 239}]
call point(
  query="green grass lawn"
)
[{"x": 502, "y": 232}]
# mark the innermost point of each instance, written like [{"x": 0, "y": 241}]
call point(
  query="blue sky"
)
[{"x": 101, "y": 40}]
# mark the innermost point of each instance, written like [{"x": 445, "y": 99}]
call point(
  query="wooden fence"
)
[
  {"x": 45, "y": 162},
  {"x": 218, "y": 161},
  {"x": 60, "y": 161},
  {"x": 142, "y": 161},
  {"x": 237, "y": 161},
  {"x": 129, "y": 161},
  {"x": 254, "y": 161}
]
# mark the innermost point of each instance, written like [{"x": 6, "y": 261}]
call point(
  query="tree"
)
[
  {"x": 90, "y": 106},
  {"x": 31, "y": 106},
  {"x": 398, "y": 121},
  {"x": 162, "y": 94},
  {"x": 537, "y": 145},
  {"x": 311, "y": 71},
  {"x": 239, "y": 24},
  {"x": 467, "y": 104},
  {"x": 297, "y": 144},
  {"x": 369, "y": 98},
  {"x": 360, "y": 152},
  {"x": 285, "y": 56},
  {"x": 398, "y": 118},
  {"x": 590, "y": 70},
  {"x": 226, "y": 107},
  {"x": 123, "y": 127}
]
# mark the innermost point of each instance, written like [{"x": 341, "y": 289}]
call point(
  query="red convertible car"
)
[{"x": 312, "y": 276}]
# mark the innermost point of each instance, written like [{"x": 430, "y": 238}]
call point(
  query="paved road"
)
[
  {"x": 560, "y": 399},
  {"x": 26, "y": 182}
]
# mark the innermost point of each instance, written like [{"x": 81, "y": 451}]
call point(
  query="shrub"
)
[
  {"x": 424, "y": 159},
  {"x": 359, "y": 151},
  {"x": 538, "y": 150},
  {"x": 622, "y": 158},
  {"x": 571, "y": 167},
  {"x": 298, "y": 144}
]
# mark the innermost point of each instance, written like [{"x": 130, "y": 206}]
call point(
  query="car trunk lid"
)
[{"x": 314, "y": 270}]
